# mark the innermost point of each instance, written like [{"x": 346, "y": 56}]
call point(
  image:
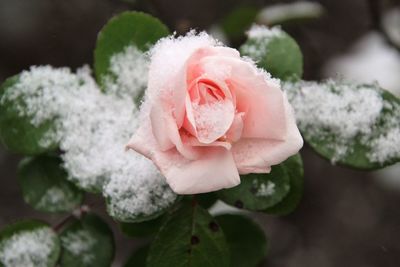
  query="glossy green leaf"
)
[
  {"x": 206, "y": 200},
  {"x": 127, "y": 29},
  {"x": 258, "y": 191},
  {"x": 159, "y": 202},
  {"x": 45, "y": 186},
  {"x": 246, "y": 240},
  {"x": 28, "y": 243},
  {"x": 190, "y": 237},
  {"x": 87, "y": 242},
  {"x": 142, "y": 229},
  {"x": 294, "y": 167},
  {"x": 17, "y": 132},
  {"x": 276, "y": 52},
  {"x": 138, "y": 258}
]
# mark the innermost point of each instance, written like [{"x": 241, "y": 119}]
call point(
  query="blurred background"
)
[{"x": 347, "y": 217}]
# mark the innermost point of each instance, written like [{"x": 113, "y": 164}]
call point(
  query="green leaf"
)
[
  {"x": 160, "y": 199},
  {"x": 45, "y": 186},
  {"x": 142, "y": 229},
  {"x": 352, "y": 125},
  {"x": 206, "y": 200},
  {"x": 238, "y": 21},
  {"x": 190, "y": 237},
  {"x": 138, "y": 258},
  {"x": 258, "y": 191},
  {"x": 294, "y": 167},
  {"x": 127, "y": 29},
  {"x": 87, "y": 242},
  {"x": 29, "y": 243},
  {"x": 276, "y": 52},
  {"x": 17, "y": 132},
  {"x": 246, "y": 240}
]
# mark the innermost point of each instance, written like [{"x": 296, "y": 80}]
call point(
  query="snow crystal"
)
[
  {"x": 264, "y": 190},
  {"x": 263, "y": 32},
  {"x": 28, "y": 248},
  {"x": 128, "y": 194},
  {"x": 55, "y": 198},
  {"x": 168, "y": 57},
  {"x": 260, "y": 37},
  {"x": 211, "y": 118},
  {"x": 93, "y": 129},
  {"x": 387, "y": 144},
  {"x": 80, "y": 244},
  {"x": 128, "y": 72},
  {"x": 341, "y": 114}
]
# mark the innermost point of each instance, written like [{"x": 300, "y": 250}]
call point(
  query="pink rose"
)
[{"x": 210, "y": 115}]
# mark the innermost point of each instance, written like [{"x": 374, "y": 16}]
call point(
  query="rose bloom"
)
[{"x": 209, "y": 115}]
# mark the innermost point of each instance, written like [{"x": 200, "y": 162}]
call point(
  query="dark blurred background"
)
[{"x": 347, "y": 218}]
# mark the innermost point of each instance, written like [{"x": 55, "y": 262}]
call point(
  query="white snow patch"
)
[
  {"x": 56, "y": 197},
  {"x": 135, "y": 194},
  {"x": 346, "y": 113},
  {"x": 93, "y": 129},
  {"x": 264, "y": 32},
  {"x": 80, "y": 244},
  {"x": 128, "y": 73},
  {"x": 264, "y": 189},
  {"x": 168, "y": 58},
  {"x": 260, "y": 36},
  {"x": 28, "y": 248}
]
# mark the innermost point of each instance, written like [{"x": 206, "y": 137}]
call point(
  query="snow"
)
[
  {"x": 80, "y": 243},
  {"x": 264, "y": 189},
  {"x": 261, "y": 32},
  {"x": 134, "y": 194},
  {"x": 128, "y": 73},
  {"x": 28, "y": 248},
  {"x": 370, "y": 60},
  {"x": 56, "y": 197},
  {"x": 92, "y": 129},
  {"x": 260, "y": 37},
  {"x": 168, "y": 57},
  {"x": 341, "y": 114}
]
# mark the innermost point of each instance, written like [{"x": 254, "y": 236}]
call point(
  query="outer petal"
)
[
  {"x": 215, "y": 170},
  {"x": 256, "y": 155}
]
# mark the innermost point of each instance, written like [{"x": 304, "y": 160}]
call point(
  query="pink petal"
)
[
  {"x": 235, "y": 132},
  {"x": 215, "y": 170},
  {"x": 256, "y": 155},
  {"x": 167, "y": 134}
]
